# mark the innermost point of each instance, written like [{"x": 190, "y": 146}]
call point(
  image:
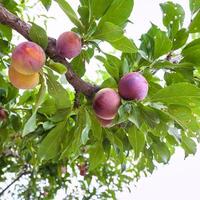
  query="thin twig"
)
[{"x": 15, "y": 180}]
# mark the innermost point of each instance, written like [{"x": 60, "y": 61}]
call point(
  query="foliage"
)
[{"x": 50, "y": 137}]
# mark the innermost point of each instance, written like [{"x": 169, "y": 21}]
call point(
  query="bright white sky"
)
[{"x": 180, "y": 179}]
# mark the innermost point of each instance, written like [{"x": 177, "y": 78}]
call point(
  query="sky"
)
[{"x": 180, "y": 179}]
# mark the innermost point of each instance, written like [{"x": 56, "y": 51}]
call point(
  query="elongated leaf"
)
[
  {"x": 118, "y": 12},
  {"x": 180, "y": 39},
  {"x": 78, "y": 64},
  {"x": 161, "y": 152},
  {"x": 173, "y": 17},
  {"x": 112, "y": 65},
  {"x": 5, "y": 31},
  {"x": 38, "y": 35},
  {"x": 137, "y": 140},
  {"x": 46, "y": 3},
  {"x": 30, "y": 125},
  {"x": 57, "y": 67},
  {"x": 85, "y": 132},
  {"x": 96, "y": 153},
  {"x": 64, "y": 5},
  {"x": 191, "y": 52},
  {"x": 114, "y": 35},
  {"x": 117, "y": 144},
  {"x": 188, "y": 145},
  {"x": 41, "y": 94},
  {"x": 50, "y": 146},
  {"x": 78, "y": 136},
  {"x": 195, "y": 24},
  {"x": 184, "y": 117},
  {"x": 194, "y": 5},
  {"x": 57, "y": 91},
  {"x": 180, "y": 93},
  {"x": 96, "y": 128},
  {"x": 99, "y": 7},
  {"x": 155, "y": 43}
]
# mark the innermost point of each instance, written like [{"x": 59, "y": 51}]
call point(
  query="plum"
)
[
  {"x": 28, "y": 58},
  {"x": 3, "y": 114},
  {"x": 105, "y": 123},
  {"x": 83, "y": 169},
  {"x": 68, "y": 45},
  {"x": 106, "y": 103},
  {"x": 133, "y": 86},
  {"x": 22, "y": 81}
]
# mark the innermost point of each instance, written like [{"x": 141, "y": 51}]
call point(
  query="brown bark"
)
[{"x": 14, "y": 22}]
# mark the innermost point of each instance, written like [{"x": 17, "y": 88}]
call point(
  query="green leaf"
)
[
  {"x": 38, "y": 35},
  {"x": 78, "y": 135},
  {"x": 73, "y": 143},
  {"x": 117, "y": 144},
  {"x": 96, "y": 153},
  {"x": 160, "y": 64},
  {"x": 106, "y": 32},
  {"x": 78, "y": 64},
  {"x": 96, "y": 127},
  {"x": 30, "y": 125},
  {"x": 50, "y": 146},
  {"x": 188, "y": 145},
  {"x": 161, "y": 152},
  {"x": 110, "y": 82},
  {"x": 16, "y": 122},
  {"x": 114, "y": 35},
  {"x": 194, "y": 5},
  {"x": 85, "y": 132},
  {"x": 64, "y": 5},
  {"x": 112, "y": 67},
  {"x": 173, "y": 17},
  {"x": 6, "y": 32},
  {"x": 174, "y": 77},
  {"x": 118, "y": 12},
  {"x": 57, "y": 67},
  {"x": 99, "y": 7},
  {"x": 184, "y": 117},
  {"x": 48, "y": 107},
  {"x": 137, "y": 140},
  {"x": 84, "y": 15},
  {"x": 195, "y": 24},
  {"x": 4, "y": 47},
  {"x": 41, "y": 94},
  {"x": 57, "y": 91},
  {"x": 149, "y": 116},
  {"x": 180, "y": 93},
  {"x": 46, "y": 4},
  {"x": 180, "y": 39},
  {"x": 155, "y": 43},
  {"x": 192, "y": 51},
  {"x": 125, "y": 45}
]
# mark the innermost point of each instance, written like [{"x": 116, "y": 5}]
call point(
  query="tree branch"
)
[{"x": 14, "y": 22}]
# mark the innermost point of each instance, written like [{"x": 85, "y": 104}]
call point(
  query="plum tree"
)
[
  {"x": 28, "y": 58},
  {"x": 3, "y": 114},
  {"x": 106, "y": 103},
  {"x": 68, "y": 45},
  {"x": 50, "y": 129},
  {"x": 133, "y": 86},
  {"x": 22, "y": 81}
]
